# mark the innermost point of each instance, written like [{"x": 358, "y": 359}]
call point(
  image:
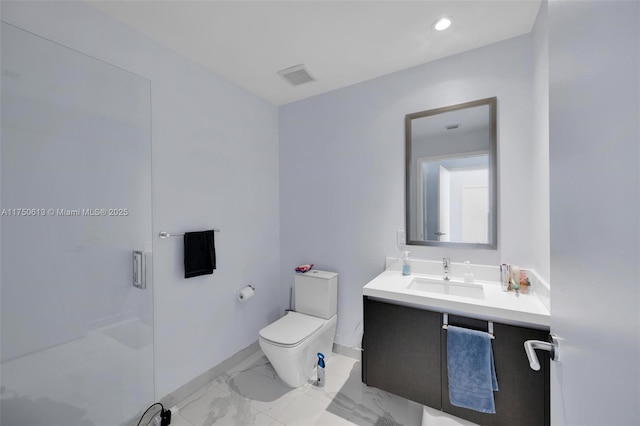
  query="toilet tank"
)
[{"x": 316, "y": 293}]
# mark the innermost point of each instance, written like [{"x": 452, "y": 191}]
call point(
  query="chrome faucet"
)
[{"x": 446, "y": 274}]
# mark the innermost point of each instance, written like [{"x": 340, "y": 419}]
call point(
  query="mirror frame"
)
[{"x": 493, "y": 174}]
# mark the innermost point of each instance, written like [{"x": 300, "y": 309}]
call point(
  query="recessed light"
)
[{"x": 443, "y": 23}]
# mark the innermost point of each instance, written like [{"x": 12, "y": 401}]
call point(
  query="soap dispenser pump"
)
[{"x": 406, "y": 265}]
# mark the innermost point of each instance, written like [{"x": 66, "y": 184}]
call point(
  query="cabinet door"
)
[
  {"x": 402, "y": 351},
  {"x": 523, "y": 395}
]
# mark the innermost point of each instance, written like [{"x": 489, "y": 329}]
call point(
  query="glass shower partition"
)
[{"x": 77, "y": 335}]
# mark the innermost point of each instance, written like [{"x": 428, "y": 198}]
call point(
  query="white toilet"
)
[{"x": 291, "y": 344}]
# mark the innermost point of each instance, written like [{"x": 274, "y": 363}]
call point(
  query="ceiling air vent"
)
[{"x": 296, "y": 75}]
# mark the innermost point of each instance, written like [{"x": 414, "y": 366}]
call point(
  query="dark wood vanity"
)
[{"x": 404, "y": 353}]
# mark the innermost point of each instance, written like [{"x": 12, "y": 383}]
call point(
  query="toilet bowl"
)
[{"x": 292, "y": 343}]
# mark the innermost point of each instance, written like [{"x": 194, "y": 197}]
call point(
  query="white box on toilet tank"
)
[{"x": 316, "y": 293}]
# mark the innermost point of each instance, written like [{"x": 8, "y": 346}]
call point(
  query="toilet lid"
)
[{"x": 291, "y": 329}]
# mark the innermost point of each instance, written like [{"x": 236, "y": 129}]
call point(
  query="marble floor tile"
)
[
  {"x": 245, "y": 395},
  {"x": 309, "y": 411},
  {"x": 251, "y": 393},
  {"x": 212, "y": 405},
  {"x": 178, "y": 420},
  {"x": 344, "y": 390},
  {"x": 337, "y": 372},
  {"x": 404, "y": 412},
  {"x": 432, "y": 417},
  {"x": 265, "y": 393}
]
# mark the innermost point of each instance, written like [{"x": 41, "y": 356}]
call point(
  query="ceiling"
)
[{"x": 340, "y": 42}]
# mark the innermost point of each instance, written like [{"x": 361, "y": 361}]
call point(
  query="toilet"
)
[{"x": 292, "y": 343}]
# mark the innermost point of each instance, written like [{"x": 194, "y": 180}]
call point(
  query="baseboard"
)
[
  {"x": 184, "y": 391},
  {"x": 347, "y": 351}
]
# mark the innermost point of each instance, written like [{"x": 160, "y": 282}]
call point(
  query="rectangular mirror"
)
[{"x": 451, "y": 175}]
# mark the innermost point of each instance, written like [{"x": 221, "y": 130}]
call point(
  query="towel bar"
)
[
  {"x": 445, "y": 325},
  {"x": 164, "y": 234}
]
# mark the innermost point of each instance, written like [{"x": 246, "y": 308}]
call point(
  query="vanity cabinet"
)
[
  {"x": 402, "y": 351},
  {"x": 405, "y": 353},
  {"x": 523, "y": 395}
]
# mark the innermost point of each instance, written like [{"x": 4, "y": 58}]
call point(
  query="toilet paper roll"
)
[{"x": 245, "y": 294}]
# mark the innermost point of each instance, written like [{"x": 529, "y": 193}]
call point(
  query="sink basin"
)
[{"x": 441, "y": 286}]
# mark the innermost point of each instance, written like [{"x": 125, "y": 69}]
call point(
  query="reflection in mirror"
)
[{"x": 451, "y": 175}]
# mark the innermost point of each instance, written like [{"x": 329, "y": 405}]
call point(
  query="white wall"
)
[
  {"x": 594, "y": 150},
  {"x": 540, "y": 146},
  {"x": 215, "y": 164},
  {"x": 342, "y": 168}
]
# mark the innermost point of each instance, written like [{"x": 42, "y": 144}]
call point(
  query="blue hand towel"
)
[{"x": 471, "y": 372}]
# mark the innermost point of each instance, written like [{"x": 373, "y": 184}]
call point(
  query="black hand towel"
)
[{"x": 199, "y": 253}]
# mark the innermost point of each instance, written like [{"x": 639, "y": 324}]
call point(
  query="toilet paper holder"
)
[{"x": 245, "y": 293}]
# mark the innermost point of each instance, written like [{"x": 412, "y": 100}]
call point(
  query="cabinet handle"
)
[{"x": 530, "y": 347}]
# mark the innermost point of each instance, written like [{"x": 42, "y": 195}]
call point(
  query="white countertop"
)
[{"x": 497, "y": 305}]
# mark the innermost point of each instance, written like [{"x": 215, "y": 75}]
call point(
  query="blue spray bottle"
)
[{"x": 320, "y": 382}]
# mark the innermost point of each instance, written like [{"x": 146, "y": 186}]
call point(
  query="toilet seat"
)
[{"x": 291, "y": 330}]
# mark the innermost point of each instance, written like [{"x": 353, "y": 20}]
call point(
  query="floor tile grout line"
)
[
  {"x": 270, "y": 417},
  {"x": 284, "y": 410},
  {"x": 184, "y": 419}
]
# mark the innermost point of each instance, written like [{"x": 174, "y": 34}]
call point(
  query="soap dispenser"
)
[
  {"x": 406, "y": 265},
  {"x": 468, "y": 275}
]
